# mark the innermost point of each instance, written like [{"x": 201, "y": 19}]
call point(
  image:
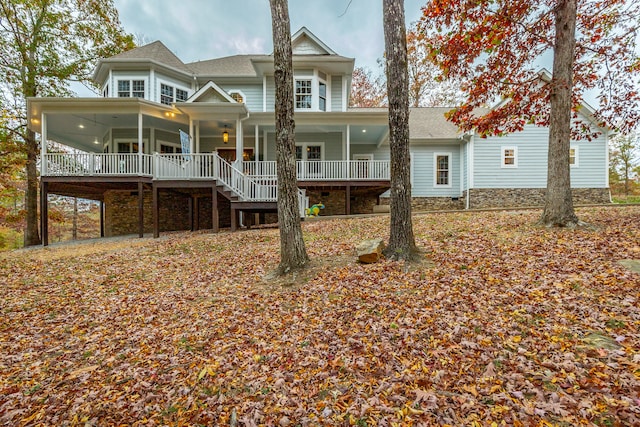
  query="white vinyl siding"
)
[
  {"x": 336, "y": 93},
  {"x": 532, "y": 144}
]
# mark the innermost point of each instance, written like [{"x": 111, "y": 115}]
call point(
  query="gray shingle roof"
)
[
  {"x": 430, "y": 123},
  {"x": 236, "y": 65},
  {"x": 155, "y": 51}
]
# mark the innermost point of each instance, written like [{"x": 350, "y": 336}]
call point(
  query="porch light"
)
[
  {"x": 95, "y": 141},
  {"x": 225, "y": 135}
]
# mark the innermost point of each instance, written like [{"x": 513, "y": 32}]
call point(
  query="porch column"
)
[
  {"x": 348, "y": 151},
  {"x": 155, "y": 209},
  {"x": 257, "y": 137},
  {"x": 214, "y": 209},
  {"x": 264, "y": 145},
  {"x": 43, "y": 144},
  {"x": 191, "y": 138},
  {"x": 239, "y": 140},
  {"x": 101, "y": 218},
  {"x": 197, "y": 136},
  {"x": 44, "y": 212},
  {"x": 140, "y": 170},
  {"x": 140, "y": 209}
]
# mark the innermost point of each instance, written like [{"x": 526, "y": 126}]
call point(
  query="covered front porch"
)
[{"x": 229, "y": 152}]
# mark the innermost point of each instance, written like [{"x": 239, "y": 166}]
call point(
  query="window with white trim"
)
[
  {"x": 237, "y": 96},
  {"x": 130, "y": 89},
  {"x": 105, "y": 91},
  {"x": 322, "y": 94},
  {"x": 128, "y": 146},
  {"x": 166, "y": 94},
  {"x": 169, "y": 147},
  {"x": 573, "y": 157},
  {"x": 303, "y": 94},
  {"x": 442, "y": 169},
  {"x": 181, "y": 95},
  {"x": 170, "y": 94},
  {"x": 509, "y": 157}
]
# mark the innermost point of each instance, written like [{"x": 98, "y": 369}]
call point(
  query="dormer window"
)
[
  {"x": 167, "y": 94},
  {"x": 237, "y": 96},
  {"x": 312, "y": 90},
  {"x": 303, "y": 94},
  {"x": 322, "y": 94},
  {"x": 130, "y": 88}
]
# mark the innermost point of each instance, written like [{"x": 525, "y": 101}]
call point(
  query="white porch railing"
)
[
  {"x": 329, "y": 170},
  {"x": 249, "y": 181},
  {"x": 208, "y": 166},
  {"x": 97, "y": 164}
]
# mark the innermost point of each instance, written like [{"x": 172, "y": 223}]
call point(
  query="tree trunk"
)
[
  {"x": 31, "y": 234},
  {"x": 293, "y": 254},
  {"x": 558, "y": 209},
  {"x": 401, "y": 240}
]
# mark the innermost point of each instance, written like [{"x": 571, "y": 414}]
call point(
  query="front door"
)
[{"x": 361, "y": 166}]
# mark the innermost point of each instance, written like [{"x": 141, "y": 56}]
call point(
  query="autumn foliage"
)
[
  {"x": 497, "y": 49},
  {"x": 506, "y": 324}
]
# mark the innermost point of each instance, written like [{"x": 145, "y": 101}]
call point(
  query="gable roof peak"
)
[
  {"x": 154, "y": 51},
  {"x": 304, "y": 42}
]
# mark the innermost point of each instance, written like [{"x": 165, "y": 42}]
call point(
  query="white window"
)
[
  {"x": 442, "y": 169},
  {"x": 169, "y": 147},
  {"x": 105, "y": 92},
  {"x": 237, "y": 96},
  {"x": 573, "y": 157},
  {"x": 170, "y": 94},
  {"x": 130, "y": 89},
  {"x": 509, "y": 157},
  {"x": 322, "y": 93},
  {"x": 128, "y": 145},
  {"x": 181, "y": 95},
  {"x": 166, "y": 94},
  {"x": 303, "y": 94}
]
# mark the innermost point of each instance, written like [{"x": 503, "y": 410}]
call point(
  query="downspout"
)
[{"x": 470, "y": 169}]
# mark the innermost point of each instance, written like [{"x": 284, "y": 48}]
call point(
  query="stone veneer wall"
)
[
  {"x": 432, "y": 203},
  {"x": 121, "y": 212},
  {"x": 521, "y": 197},
  {"x": 334, "y": 202}
]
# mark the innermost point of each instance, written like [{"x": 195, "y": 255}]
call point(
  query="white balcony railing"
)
[
  {"x": 207, "y": 166},
  {"x": 97, "y": 164},
  {"x": 330, "y": 170}
]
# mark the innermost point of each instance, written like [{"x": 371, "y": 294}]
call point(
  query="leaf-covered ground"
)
[{"x": 511, "y": 325}]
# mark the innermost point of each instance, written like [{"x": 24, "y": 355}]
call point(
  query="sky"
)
[{"x": 205, "y": 29}]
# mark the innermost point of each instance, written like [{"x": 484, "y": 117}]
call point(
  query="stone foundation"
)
[
  {"x": 121, "y": 212},
  {"x": 432, "y": 203},
  {"x": 481, "y": 198},
  {"x": 335, "y": 203}
]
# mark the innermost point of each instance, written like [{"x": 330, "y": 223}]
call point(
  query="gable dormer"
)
[
  {"x": 211, "y": 93},
  {"x": 304, "y": 42}
]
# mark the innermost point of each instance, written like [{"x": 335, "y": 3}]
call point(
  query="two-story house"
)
[{"x": 175, "y": 146}]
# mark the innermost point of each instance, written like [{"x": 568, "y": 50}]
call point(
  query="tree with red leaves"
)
[{"x": 496, "y": 46}]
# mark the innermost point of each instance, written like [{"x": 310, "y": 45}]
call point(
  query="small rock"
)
[
  {"x": 284, "y": 421},
  {"x": 370, "y": 251}
]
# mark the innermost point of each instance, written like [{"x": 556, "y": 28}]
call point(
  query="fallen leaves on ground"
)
[{"x": 508, "y": 324}]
